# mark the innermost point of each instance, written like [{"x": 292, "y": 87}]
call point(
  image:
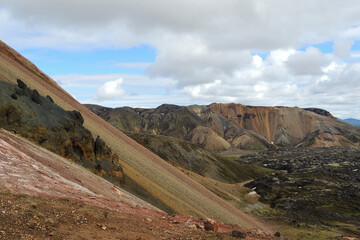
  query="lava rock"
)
[
  {"x": 49, "y": 98},
  {"x": 208, "y": 226},
  {"x": 238, "y": 234},
  {"x": 35, "y": 96},
  {"x": 77, "y": 117},
  {"x": 21, "y": 84}
]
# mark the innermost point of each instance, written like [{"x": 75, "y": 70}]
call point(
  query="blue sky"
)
[
  {"x": 56, "y": 62},
  {"x": 138, "y": 53}
]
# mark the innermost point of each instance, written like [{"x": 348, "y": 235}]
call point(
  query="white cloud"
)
[
  {"x": 342, "y": 48},
  {"x": 209, "y": 92},
  {"x": 309, "y": 62},
  {"x": 233, "y": 24},
  {"x": 110, "y": 90},
  {"x": 190, "y": 61},
  {"x": 203, "y": 48}
]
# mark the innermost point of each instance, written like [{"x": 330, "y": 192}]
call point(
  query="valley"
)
[
  {"x": 274, "y": 169},
  {"x": 179, "y": 120}
]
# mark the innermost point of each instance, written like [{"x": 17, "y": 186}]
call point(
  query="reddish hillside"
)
[{"x": 99, "y": 210}]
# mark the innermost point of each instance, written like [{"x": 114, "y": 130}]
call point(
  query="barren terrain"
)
[{"x": 35, "y": 188}]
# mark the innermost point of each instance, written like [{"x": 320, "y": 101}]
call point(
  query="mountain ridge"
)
[{"x": 217, "y": 127}]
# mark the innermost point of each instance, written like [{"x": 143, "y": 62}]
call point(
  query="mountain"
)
[
  {"x": 143, "y": 173},
  {"x": 307, "y": 185},
  {"x": 43, "y": 196},
  {"x": 352, "y": 121},
  {"x": 219, "y": 127}
]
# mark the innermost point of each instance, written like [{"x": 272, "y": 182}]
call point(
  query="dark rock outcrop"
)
[
  {"x": 35, "y": 96},
  {"x": 208, "y": 226},
  {"x": 319, "y": 111},
  {"x": 238, "y": 234},
  {"x": 37, "y": 118}
]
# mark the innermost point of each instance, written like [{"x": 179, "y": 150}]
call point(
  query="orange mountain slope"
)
[{"x": 145, "y": 173}]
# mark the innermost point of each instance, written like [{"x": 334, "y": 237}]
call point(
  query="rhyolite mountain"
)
[
  {"x": 219, "y": 127},
  {"x": 37, "y": 108}
]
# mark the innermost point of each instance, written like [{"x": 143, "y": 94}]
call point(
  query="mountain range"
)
[
  {"x": 218, "y": 171},
  {"x": 220, "y": 127},
  {"x": 352, "y": 121}
]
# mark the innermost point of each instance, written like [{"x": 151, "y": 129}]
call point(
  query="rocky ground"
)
[
  {"x": 27, "y": 217},
  {"x": 312, "y": 188}
]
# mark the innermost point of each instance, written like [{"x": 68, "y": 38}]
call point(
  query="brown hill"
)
[
  {"x": 218, "y": 127},
  {"x": 44, "y": 196},
  {"x": 145, "y": 174}
]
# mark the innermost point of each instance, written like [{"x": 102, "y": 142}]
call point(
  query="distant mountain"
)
[
  {"x": 219, "y": 127},
  {"x": 352, "y": 121}
]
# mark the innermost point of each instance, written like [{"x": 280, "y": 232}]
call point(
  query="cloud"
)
[
  {"x": 110, "y": 90},
  {"x": 205, "y": 50},
  {"x": 342, "y": 48},
  {"x": 309, "y": 62},
  {"x": 232, "y": 24},
  {"x": 190, "y": 61}
]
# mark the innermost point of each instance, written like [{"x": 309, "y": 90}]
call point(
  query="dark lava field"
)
[{"x": 312, "y": 187}]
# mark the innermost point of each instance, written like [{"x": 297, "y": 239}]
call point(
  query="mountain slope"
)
[
  {"x": 218, "y": 127},
  {"x": 186, "y": 155},
  {"x": 27, "y": 168},
  {"x": 43, "y": 195},
  {"x": 145, "y": 173}
]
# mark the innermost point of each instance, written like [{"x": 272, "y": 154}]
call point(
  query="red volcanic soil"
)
[
  {"x": 26, "y": 168},
  {"x": 36, "y": 186}
]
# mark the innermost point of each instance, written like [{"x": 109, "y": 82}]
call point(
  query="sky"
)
[{"x": 143, "y": 53}]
